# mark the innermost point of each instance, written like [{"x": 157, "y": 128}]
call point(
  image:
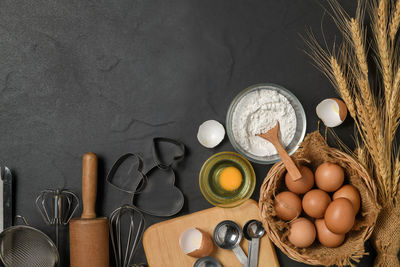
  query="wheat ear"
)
[
  {"x": 361, "y": 73},
  {"x": 396, "y": 175},
  {"x": 342, "y": 85},
  {"x": 381, "y": 36},
  {"x": 394, "y": 105},
  {"x": 394, "y": 21},
  {"x": 358, "y": 39}
]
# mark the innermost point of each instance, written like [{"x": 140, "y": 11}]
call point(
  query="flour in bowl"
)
[{"x": 257, "y": 112}]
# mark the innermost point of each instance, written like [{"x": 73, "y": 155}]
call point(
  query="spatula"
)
[{"x": 272, "y": 137}]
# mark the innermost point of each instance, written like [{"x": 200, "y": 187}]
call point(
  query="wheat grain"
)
[
  {"x": 394, "y": 21},
  {"x": 394, "y": 107},
  {"x": 385, "y": 53},
  {"x": 394, "y": 101},
  {"x": 396, "y": 176},
  {"x": 342, "y": 86},
  {"x": 381, "y": 36},
  {"x": 362, "y": 155},
  {"x": 359, "y": 47},
  {"x": 365, "y": 131},
  {"x": 370, "y": 105},
  {"x": 375, "y": 146},
  {"x": 360, "y": 73}
]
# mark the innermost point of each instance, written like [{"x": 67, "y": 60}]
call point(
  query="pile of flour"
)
[{"x": 257, "y": 112}]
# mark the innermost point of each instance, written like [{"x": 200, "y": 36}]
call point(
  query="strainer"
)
[{"x": 25, "y": 246}]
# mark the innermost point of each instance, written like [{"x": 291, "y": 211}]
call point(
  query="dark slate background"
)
[{"x": 107, "y": 76}]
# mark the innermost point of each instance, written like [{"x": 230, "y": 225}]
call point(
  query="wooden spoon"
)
[{"x": 272, "y": 136}]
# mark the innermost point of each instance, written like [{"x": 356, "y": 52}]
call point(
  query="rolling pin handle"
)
[{"x": 89, "y": 185}]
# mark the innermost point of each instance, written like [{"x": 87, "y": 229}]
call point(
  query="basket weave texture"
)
[{"x": 313, "y": 152}]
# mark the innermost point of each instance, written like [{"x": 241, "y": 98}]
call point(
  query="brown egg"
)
[
  {"x": 305, "y": 183},
  {"x": 287, "y": 205},
  {"x": 340, "y": 216},
  {"x": 351, "y": 193},
  {"x": 315, "y": 203},
  {"x": 329, "y": 177},
  {"x": 302, "y": 233},
  {"x": 326, "y": 237}
]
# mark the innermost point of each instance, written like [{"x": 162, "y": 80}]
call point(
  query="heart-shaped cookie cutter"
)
[
  {"x": 164, "y": 208},
  {"x": 138, "y": 184},
  {"x": 142, "y": 180},
  {"x": 157, "y": 153}
]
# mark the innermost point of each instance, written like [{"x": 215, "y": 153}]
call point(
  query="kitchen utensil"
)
[
  {"x": 272, "y": 136},
  {"x": 166, "y": 153},
  {"x": 161, "y": 240},
  {"x": 207, "y": 262},
  {"x": 246, "y": 235},
  {"x": 227, "y": 235},
  {"x": 57, "y": 207},
  {"x": 164, "y": 158},
  {"x": 209, "y": 180},
  {"x": 127, "y": 175},
  {"x": 5, "y": 198},
  {"x": 160, "y": 183},
  {"x": 300, "y": 118},
  {"x": 136, "y": 228},
  {"x": 88, "y": 234},
  {"x": 255, "y": 231},
  {"x": 23, "y": 245}
]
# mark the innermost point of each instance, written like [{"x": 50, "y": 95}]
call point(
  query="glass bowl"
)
[
  {"x": 209, "y": 176},
  {"x": 300, "y": 127}
]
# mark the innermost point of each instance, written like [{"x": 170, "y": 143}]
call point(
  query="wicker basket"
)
[{"x": 312, "y": 153}]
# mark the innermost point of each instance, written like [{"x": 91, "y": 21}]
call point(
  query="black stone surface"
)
[{"x": 108, "y": 76}]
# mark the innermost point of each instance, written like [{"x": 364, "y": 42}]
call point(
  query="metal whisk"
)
[
  {"x": 136, "y": 228},
  {"x": 57, "y": 207}
]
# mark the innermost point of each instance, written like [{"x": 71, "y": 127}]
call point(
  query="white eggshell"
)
[
  {"x": 196, "y": 243},
  {"x": 210, "y": 133},
  {"x": 331, "y": 112},
  {"x": 190, "y": 240}
]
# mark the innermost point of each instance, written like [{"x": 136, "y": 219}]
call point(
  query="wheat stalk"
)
[
  {"x": 361, "y": 72},
  {"x": 380, "y": 19},
  {"x": 372, "y": 144},
  {"x": 375, "y": 109},
  {"x": 396, "y": 176},
  {"x": 369, "y": 115},
  {"x": 376, "y": 119}
]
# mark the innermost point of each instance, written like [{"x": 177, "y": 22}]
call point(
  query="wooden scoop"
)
[
  {"x": 88, "y": 234},
  {"x": 272, "y": 137}
]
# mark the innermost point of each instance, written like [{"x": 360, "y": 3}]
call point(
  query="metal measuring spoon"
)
[
  {"x": 227, "y": 235},
  {"x": 246, "y": 235},
  {"x": 255, "y": 230},
  {"x": 207, "y": 262}
]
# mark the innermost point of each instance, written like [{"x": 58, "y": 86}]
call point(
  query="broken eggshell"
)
[
  {"x": 210, "y": 133},
  {"x": 332, "y": 111},
  {"x": 196, "y": 243}
]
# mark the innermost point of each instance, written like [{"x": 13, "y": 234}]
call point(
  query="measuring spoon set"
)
[{"x": 228, "y": 234}]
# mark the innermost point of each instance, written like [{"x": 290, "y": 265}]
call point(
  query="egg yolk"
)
[{"x": 230, "y": 178}]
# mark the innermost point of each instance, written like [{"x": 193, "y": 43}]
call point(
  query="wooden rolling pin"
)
[{"x": 88, "y": 234}]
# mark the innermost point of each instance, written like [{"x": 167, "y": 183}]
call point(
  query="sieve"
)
[{"x": 23, "y": 245}]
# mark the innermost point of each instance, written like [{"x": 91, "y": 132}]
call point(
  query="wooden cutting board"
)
[{"x": 161, "y": 241}]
